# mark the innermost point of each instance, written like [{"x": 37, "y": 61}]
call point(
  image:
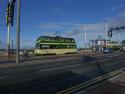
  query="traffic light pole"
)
[
  {"x": 8, "y": 42},
  {"x": 106, "y": 26},
  {"x": 18, "y": 32},
  {"x": 85, "y": 36},
  {"x": 119, "y": 39}
]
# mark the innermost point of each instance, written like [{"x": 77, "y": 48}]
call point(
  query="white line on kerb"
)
[{"x": 59, "y": 68}]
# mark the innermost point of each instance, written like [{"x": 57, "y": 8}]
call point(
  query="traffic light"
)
[
  {"x": 7, "y": 14},
  {"x": 13, "y": 1},
  {"x": 110, "y": 32},
  {"x": 117, "y": 28},
  {"x": 10, "y": 12},
  {"x": 122, "y": 27}
]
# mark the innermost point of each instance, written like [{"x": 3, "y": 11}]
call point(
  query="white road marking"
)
[
  {"x": 59, "y": 68},
  {"x": 3, "y": 76},
  {"x": 50, "y": 69},
  {"x": 113, "y": 55}
]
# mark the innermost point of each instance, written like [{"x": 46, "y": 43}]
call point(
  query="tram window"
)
[
  {"x": 56, "y": 47},
  {"x": 48, "y": 39},
  {"x": 52, "y": 39},
  {"x": 69, "y": 46},
  {"x": 37, "y": 47},
  {"x": 64, "y": 46},
  {"x": 63, "y": 40},
  {"x": 38, "y": 38},
  {"x": 73, "y": 46},
  {"x": 57, "y": 40},
  {"x": 53, "y": 47},
  {"x": 40, "y": 46},
  {"x": 44, "y": 46},
  {"x": 73, "y": 41}
]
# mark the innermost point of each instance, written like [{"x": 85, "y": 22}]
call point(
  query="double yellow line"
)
[{"x": 90, "y": 82}]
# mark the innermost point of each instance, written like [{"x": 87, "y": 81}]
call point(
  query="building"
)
[{"x": 100, "y": 43}]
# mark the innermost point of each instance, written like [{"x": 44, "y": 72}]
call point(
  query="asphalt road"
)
[{"x": 51, "y": 75}]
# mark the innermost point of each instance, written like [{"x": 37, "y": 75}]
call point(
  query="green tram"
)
[{"x": 55, "y": 45}]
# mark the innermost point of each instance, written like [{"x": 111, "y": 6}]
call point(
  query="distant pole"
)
[
  {"x": 85, "y": 36},
  {"x": 8, "y": 42},
  {"x": 12, "y": 48},
  {"x": 18, "y": 32},
  {"x": 119, "y": 39},
  {"x": 0, "y": 44},
  {"x": 106, "y": 29}
]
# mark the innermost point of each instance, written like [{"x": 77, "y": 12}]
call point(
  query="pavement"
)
[
  {"x": 115, "y": 85},
  {"x": 3, "y": 57}
]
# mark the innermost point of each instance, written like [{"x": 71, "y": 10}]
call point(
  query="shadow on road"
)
[
  {"x": 44, "y": 85},
  {"x": 94, "y": 60},
  {"x": 98, "y": 65}
]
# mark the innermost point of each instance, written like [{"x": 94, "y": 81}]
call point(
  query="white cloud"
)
[
  {"x": 118, "y": 7},
  {"x": 51, "y": 26},
  {"x": 52, "y": 33},
  {"x": 119, "y": 20},
  {"x": 26, "y": 43}
]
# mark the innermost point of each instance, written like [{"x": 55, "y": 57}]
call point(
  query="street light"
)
[{"x": 18, "y": 32}]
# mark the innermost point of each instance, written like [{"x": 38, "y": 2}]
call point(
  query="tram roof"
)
[{"x": 56, "y": 37}]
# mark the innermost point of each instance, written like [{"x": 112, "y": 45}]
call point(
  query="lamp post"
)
[{"x": 18, "y": 32}]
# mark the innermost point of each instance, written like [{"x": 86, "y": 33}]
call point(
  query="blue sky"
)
[{"x": 64, "y": 18}]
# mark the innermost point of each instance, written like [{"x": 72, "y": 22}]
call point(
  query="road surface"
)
[{"x": 52, "y": 75}]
